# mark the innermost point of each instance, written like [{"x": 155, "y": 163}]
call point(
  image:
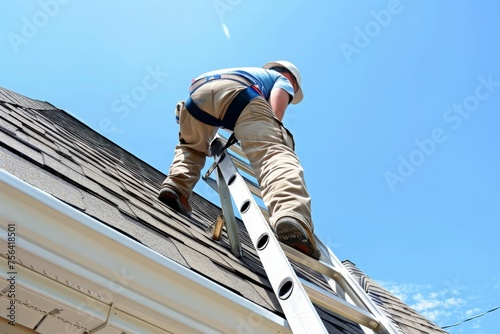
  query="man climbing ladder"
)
[{"x": 251, "y": 102}]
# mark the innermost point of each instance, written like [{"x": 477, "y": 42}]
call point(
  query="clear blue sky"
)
[{"x": 398, "y": 131}]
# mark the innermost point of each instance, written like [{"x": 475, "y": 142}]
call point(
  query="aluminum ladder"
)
[{"x": 296, "y": 296}]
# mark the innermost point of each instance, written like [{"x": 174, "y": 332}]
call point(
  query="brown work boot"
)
[
  {"x": 173, "y": 199},
  {"x": 291, "y": 232}
]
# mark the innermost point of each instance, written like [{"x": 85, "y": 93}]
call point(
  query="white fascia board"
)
[{"x": 68, "y": 238}]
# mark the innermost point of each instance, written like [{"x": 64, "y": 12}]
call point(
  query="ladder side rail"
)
[
  {"x": 229, "y": 217},
  {"x": 295, "y": 303}
]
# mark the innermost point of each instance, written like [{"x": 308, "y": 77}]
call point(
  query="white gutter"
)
[{"x": 151, "y": 284}]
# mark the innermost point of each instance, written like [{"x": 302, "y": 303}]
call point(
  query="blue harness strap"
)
[
  {"x": 233, "y": 110},
  {"x": 200, "y": 115}
]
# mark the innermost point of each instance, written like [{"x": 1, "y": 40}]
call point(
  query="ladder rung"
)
[
  {"x": 318, "y": 266},
  {"x": 237, "y": 149},
  {"x": 329, "y": 301},
  {"x": 253, "y": 187},
  {"x": 243, "y": 165},
  {"x": 212, "y": 183},
  {"x": 325, "y": 269}
]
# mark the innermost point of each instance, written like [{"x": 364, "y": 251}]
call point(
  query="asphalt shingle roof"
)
[{"x": 51, "y": 150}]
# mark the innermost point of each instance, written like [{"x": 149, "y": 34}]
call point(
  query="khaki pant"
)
[{"x": 264, "y": 141}]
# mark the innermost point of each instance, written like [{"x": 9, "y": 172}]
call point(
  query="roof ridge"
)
[{"x": 20, "y": 100}]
